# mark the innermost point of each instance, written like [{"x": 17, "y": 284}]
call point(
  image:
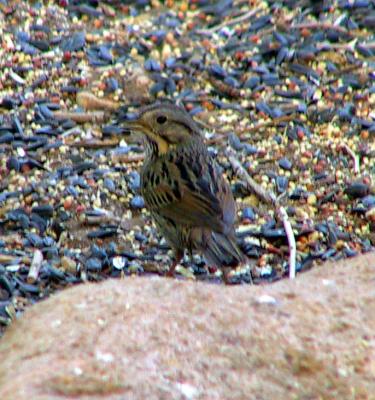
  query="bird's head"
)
[{"x": 164, "y": 125}]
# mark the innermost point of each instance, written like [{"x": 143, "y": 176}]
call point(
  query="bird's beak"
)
[
  {"x": 132, "y": 125},
  {"x": 136, "y": 126}
]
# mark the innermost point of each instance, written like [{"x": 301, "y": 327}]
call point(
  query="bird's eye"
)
[{"x": 161, "y": 119}]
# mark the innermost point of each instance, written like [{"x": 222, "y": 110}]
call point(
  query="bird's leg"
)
[
  {"x": 226, "y": 272},
  {"x": 177, "y": 258}
]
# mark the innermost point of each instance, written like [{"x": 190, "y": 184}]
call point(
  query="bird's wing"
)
[{"x": 188, "y": 199}]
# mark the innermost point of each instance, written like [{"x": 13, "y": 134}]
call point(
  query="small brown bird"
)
[{"x": 183, "y": 188}]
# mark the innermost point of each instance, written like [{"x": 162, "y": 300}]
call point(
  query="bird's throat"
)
[
  {"x": 162, "y": 145},
  {"x": 156, "y": 146}
]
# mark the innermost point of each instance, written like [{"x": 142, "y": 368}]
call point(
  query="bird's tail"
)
[{"x": 222, "y": 251}]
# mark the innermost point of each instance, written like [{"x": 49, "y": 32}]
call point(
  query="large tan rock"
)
[{"x": 157, "y": 338}]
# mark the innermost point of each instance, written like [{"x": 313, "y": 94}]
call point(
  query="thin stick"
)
[
  {"x": 7, "y": 258},
  {"x": 127, "y": 158},
  {"x": 36, "y": 263},
  {"x": 96, "y": 143},
  {"x": 354, "y": 157},
  {"x": 234, "y": 21},
  {"x": 270, "y": 198},
  {"x": 274, "y": 122},
  {"x": 243, "y": 133},
  {"x": 216, "y": 139},
  {"x": 224, "y": 88},
  {"x": 338, "y": 46},
  {"x": 89, "y": 101},
  {"x": 350, "y": 68},
  {"x": 81, "y": 117},
  {"x": 291, "y": 240},
  {"x": 72, "y": 131},
  {"x": 251, "y": 185},
  {"x": 321, "y": 25}
]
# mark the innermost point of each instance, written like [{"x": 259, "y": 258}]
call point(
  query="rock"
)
[{"x": 159, "y": 338}]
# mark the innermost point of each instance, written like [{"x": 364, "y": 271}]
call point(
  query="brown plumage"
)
[{"x": 184, "y": 189}]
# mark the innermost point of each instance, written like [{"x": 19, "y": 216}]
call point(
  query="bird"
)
[{"x": 184, "y": 189}]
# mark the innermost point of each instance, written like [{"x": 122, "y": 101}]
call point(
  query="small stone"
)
[
  {"x": 311, "y": 199},
  {"x": 135, "y": 268},
  {"x": 94, "y": 264},
  {"x": 109, "y": 184},
  {"x": 266, "y": 299},
  {"x": 68, "y": 265},
  {"x": 137, "y": 202},
  {"x": 284, "y": 163},
  {"x": 248, "y": 213},
  {"x": 119, "y": 262}
]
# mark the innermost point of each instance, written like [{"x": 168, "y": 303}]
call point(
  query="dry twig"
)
[
  {"x": 322, "y": 26},
  {"x": 81, "y": 117},
  {"x": 89, "y": 101},
  {"x": 354, "y": 157},
  {"x": 128, "y": 158},
  {"x": 234, "y": 21},
  {"x": 96, "y": 143},
  {"x": 273, "y": 122},
  {"x": 36, "y": 263},
  {"x": 251, "y": 185},
  {"x": 269, "y": 198},
  {"x": 291, "y": 240}
]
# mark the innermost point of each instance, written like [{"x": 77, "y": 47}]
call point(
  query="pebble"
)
[
  {"x": 135, "y": 181},
  {"x": 285, "y": 163},
  {"x": 248, "y": 213},
  {"x": 311, "y": 199},
  {"x": 119, "y": 262},
  {"x": 93, "y": 264},
  {"x": 137, "y": 202},
  {"x": 68, "y": 264}
]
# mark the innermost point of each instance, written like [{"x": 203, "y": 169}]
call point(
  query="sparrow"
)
[{"x": 184, "y": 188}]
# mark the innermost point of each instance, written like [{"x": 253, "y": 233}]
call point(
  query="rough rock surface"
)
[{"x": 159, "y": 338}]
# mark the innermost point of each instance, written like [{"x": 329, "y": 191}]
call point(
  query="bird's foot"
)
[
  {"x": 170, "y": 272},
  {"x": 226, "y": 276}
]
